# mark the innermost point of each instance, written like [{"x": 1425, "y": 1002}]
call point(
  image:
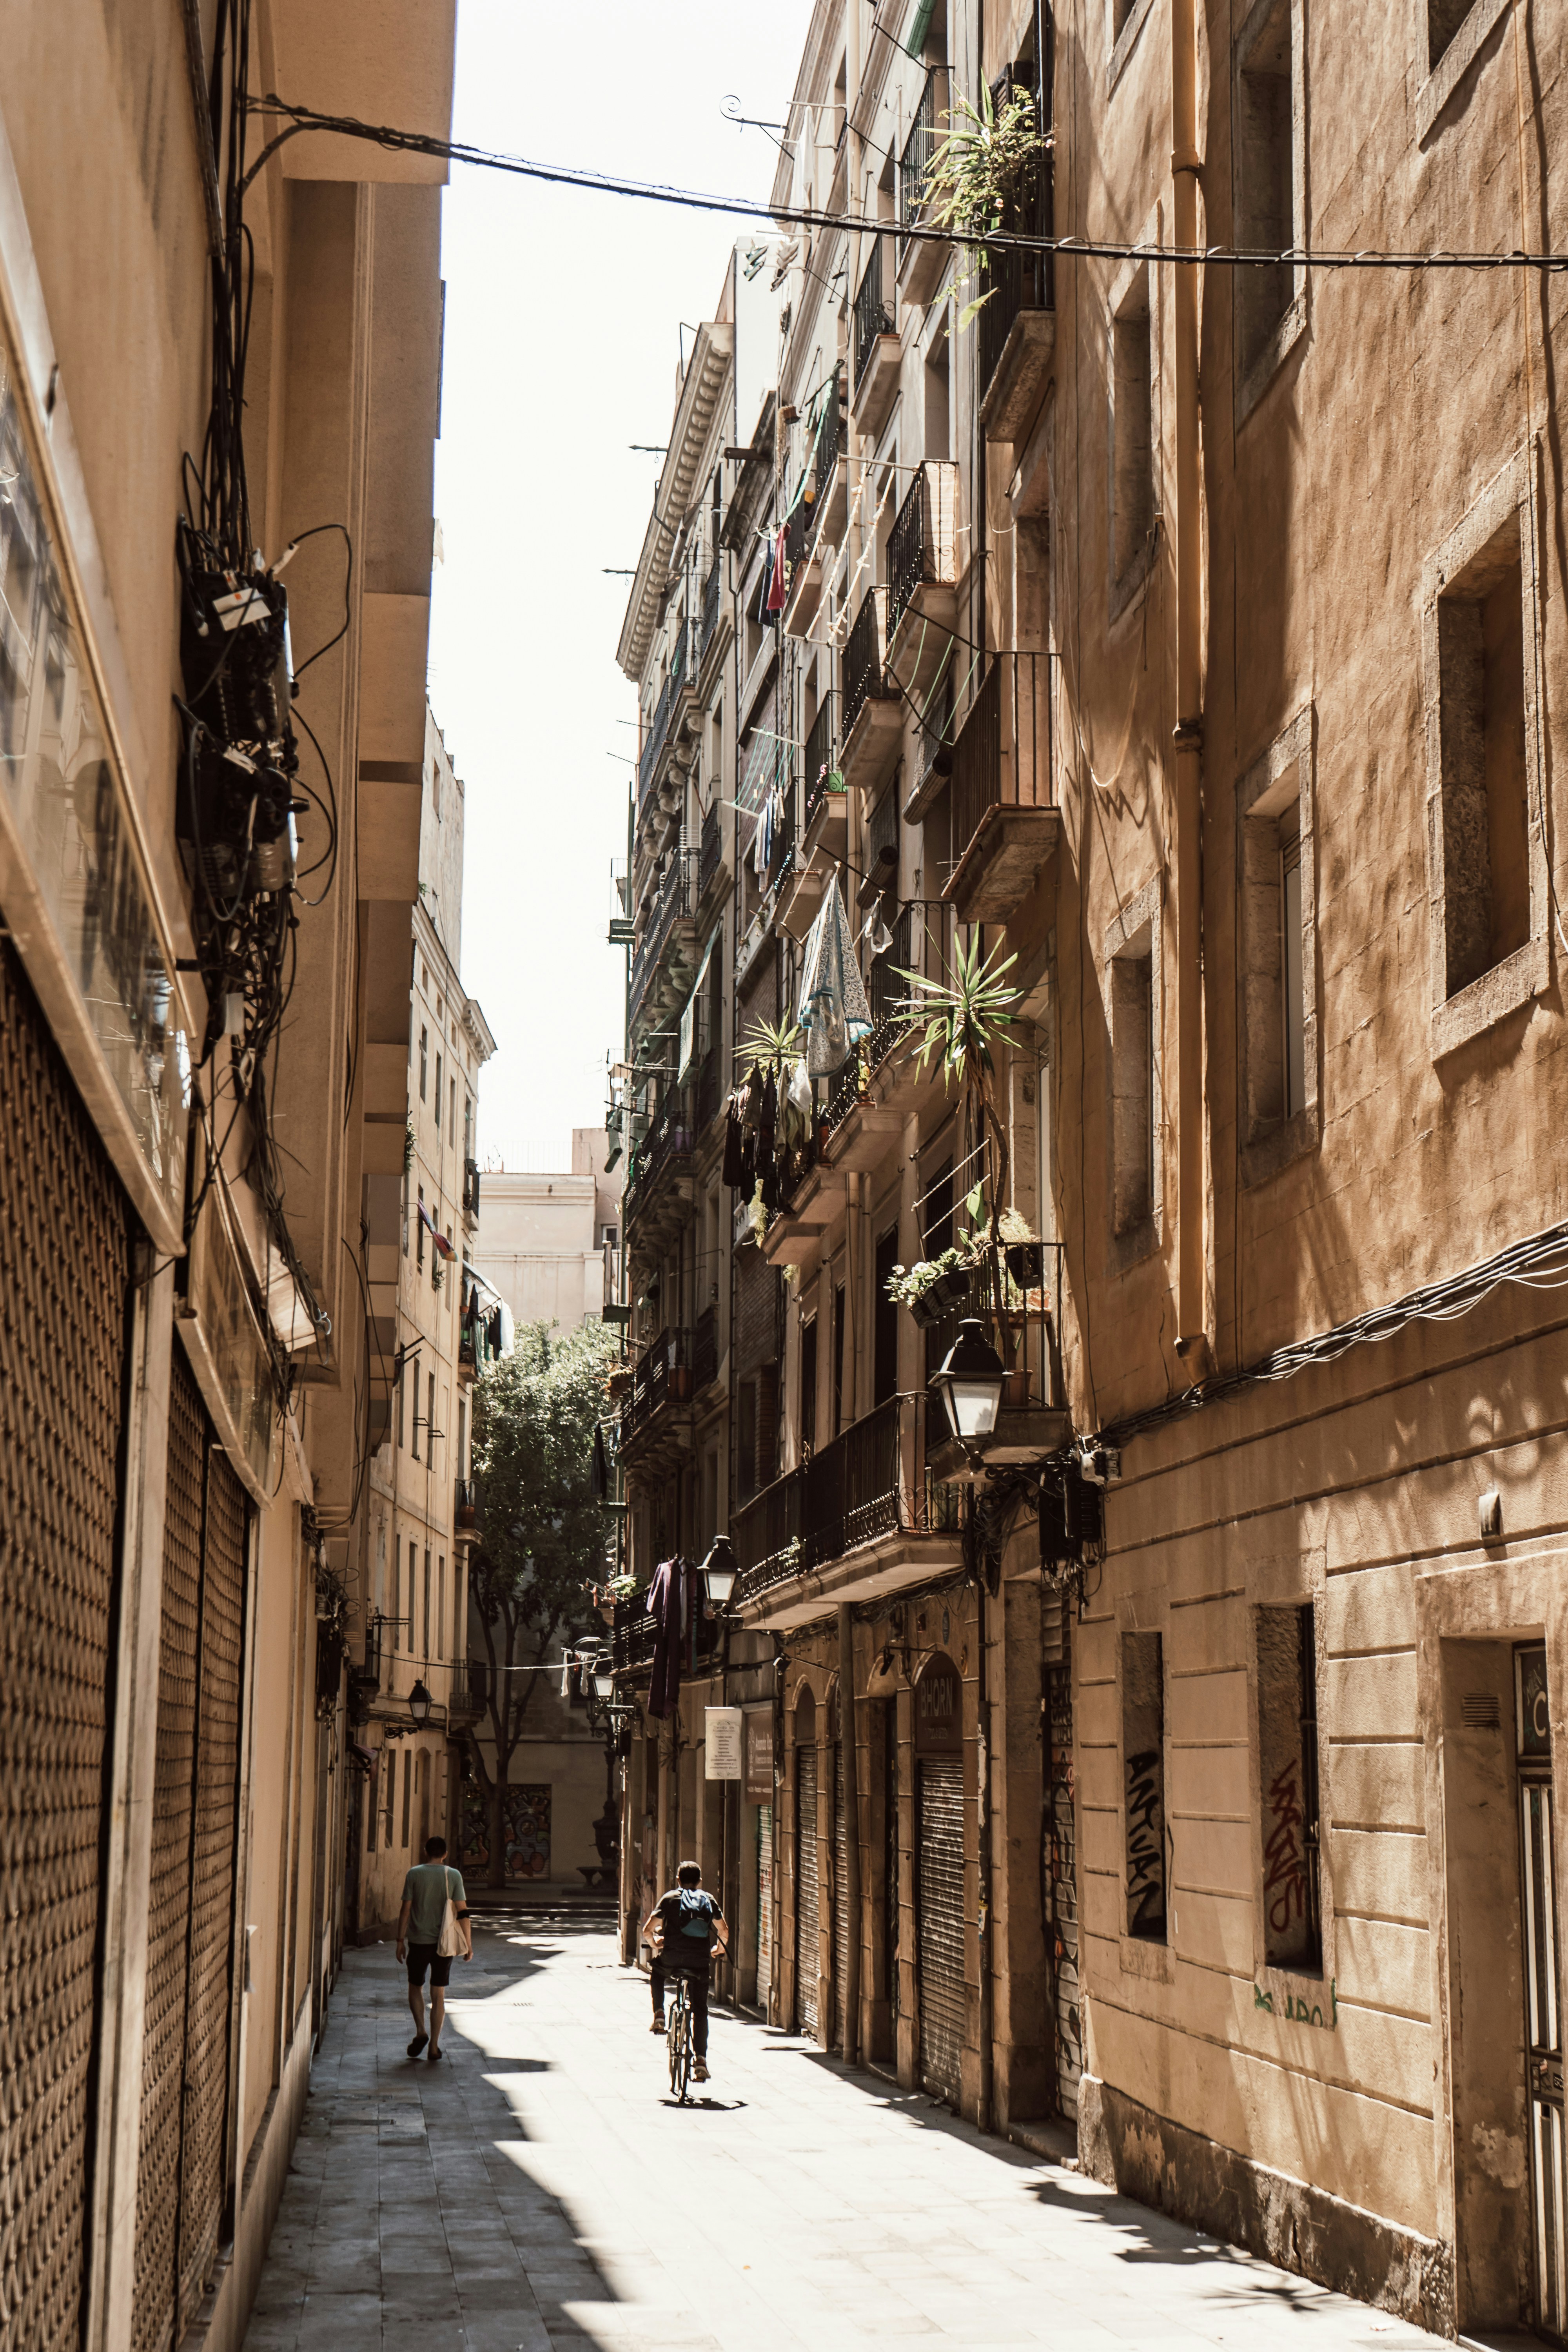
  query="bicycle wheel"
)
[{"x": 680, "y": 2044}]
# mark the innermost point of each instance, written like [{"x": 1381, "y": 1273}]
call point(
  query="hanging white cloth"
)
[{"x": 834, "y": 1012}]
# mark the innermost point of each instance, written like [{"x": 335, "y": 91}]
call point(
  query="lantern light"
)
[
  {"x": 419, "y": 1704},
  {"x": 721, "y": 1571},
  {"x": 970, "y": 1383}
]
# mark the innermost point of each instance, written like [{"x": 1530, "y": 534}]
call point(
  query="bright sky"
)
[{"x": 562, "y": 313}]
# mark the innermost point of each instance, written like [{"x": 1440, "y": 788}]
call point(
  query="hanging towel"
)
[
  {"x": 779, "y": 587},
  {"x": 834, "y": 1012},
  {"x": 666, "y": 1606}
]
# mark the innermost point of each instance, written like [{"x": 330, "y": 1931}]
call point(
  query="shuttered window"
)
[
  {"x": 939, "y": 1923},
  {"x": 806, "y": 1885}
]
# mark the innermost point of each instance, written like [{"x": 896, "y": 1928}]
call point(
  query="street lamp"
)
[
  {"x": 419, "y": 1706},
  {"x": 603, "y": 1677},
  {"x": 721, "y": 1571},
  {"x": 970, "y": 1383}
]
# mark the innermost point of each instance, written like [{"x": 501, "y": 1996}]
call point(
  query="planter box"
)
[{"x": 946, "y": 1292}]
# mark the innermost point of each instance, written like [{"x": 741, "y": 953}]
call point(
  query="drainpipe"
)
[
  {"x": 1188, "y": 737},
  {"x": 848, "y": 1731},
  {"x": 983, "y": 1808}
]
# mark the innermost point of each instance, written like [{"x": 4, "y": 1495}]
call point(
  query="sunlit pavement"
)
[{"x": 539, "y": 2187}]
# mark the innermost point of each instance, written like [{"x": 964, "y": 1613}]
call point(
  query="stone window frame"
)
[
  {"x": 1140, "y": 923},
  {"x": 1252, "y": 382},
  {"x": 1266, "y": 1148},
  {"x": 1525, "y": 974},
  {"x": 1441, "y": 82},
  {"x": 1285, "y": 1582},
  {"x": 1121, "y": 44},
  {"x": 1124, "y": 591},
  {"x": 1142, "y": 1956}
]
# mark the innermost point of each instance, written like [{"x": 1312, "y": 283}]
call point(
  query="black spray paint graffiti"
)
[
  {"x": 1285, "y": 1868},
  {"x": 1145, "y": 1847}
]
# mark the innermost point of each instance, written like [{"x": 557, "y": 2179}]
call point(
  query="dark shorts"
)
[{"x": 423, "y": 1956}]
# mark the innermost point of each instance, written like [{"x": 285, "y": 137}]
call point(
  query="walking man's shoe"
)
[{"x": 418, "y": 2045}]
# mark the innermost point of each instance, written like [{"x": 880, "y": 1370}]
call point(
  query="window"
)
[
  {"x": 452, "y": 1119},
  {"x": 413, "y": 1443},
  {"x": 462, "y": 1469},
  {"x": 1457, "y": 31},
  {"x": 408, "y": 1788},
  {"x": 1131, "y": 991},
  {"x": 438, "y": 1099},
  {"x": 396, "y": 1593},
  {"x": 808, "y": 1388},
  {"x": 431, "y": 1431},
  {"x": 938, "y": 425},
  {"x": 838, "y": 1321},
  {"x": 424, "y": 1058},
  {"x": 1487, "y": 867},
  {"x": 1278, "y": 956},
  {"x": 425, "y": 1648},
  {"x": 1288, "y": 1779},
  {"x": 468, "y": 1126},
  {"x": 1131, "y": 439},
  {"x": 1143, "y": 1781},
  {"x": 1269, "y": 189},
  {"x": 402, "y": 1390},
  {"x": 884, "y": 1322}
]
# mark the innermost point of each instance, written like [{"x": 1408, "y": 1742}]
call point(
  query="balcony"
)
[
  {"x": 923, "y": 261},
  {"x": 1003, "y": 828},
  {"x": 665, "y": 1151},
  {"x": 831, "y": 506},
  {"x": 1032, "y": 1420},
  {"x": 469, "y": 1694},
  {"x": 876, "y": 348},
  {"x": 1017, "y": 324},
  {"x": 873, "y": 715},
  {"x": 933, "y": 766},
  {"x": 804, "y": 556},
  {"x": 823, "y": 824},
  {"x": 655, "y": 1422},
  {"x": 658, "y": 725},
  {"x": 705, "y": 1351},
  {"x": 709, "y": 625},
  {"x": 710, "y": 869},
  {"x": 862, "y": 1517},
  {"x": 466, "y": 1510},
  {"x": 669, "y": 913},
  {"x": 471, "y": 1188},
  {"x": 922, "y": 576},
  {"x": 633, "y": 1636}
]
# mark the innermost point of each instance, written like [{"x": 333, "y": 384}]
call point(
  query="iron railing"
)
[
  {"x": 910, "y": 555},
  {"x": 709, "y": 608},
  {"x": 863, "y": 662},
  {"x": 634, "y": 1635},
  {"x": 829, "y": 440},
  {"x": 668, "y": 1141},
  {"x": 710, "y": 851},
  {"x": 465, "y": 1503},
  {"x": 870, "y": 1481},
  {"x": 658, "y": 727},
  {"x": 675, "y": 899},
  {"x": 918, "y": 153},
  {"x": 471, "y": 1188},
  {"x": 872, "y": 316},
  {"x": 1014, "y": 282},
  {"x": 818, "y": 763},
  {"x": 780, "y": 849},
  {"x": 662, "y": 1376},
  {"x": 1001, "y": 756}
]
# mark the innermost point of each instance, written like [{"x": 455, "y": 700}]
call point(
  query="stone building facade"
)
[
  {"x": 218, "y": 388},
  {"x": 1191, "y": 637}
]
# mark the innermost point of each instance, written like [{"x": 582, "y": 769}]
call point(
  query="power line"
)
[{"x": 347, "y": 126}]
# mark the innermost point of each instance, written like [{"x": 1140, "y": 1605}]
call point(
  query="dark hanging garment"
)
[
  {"x": 599, "y": 1473},
  {"x": 666, "y": 1596},
  {"x": 767, "y": 1121},
  {"x": 734, "y": 1170},
  {"x": 492, "y": 1333}
]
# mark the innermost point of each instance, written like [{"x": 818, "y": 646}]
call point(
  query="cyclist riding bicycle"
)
[{"x": 682, "y": 1931}]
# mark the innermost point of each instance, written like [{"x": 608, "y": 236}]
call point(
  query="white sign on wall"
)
[{"x": 721, "y": 1733}]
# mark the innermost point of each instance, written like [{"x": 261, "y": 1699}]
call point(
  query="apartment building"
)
[
  {"x": 218, "y": 378},
  {"x": 552, "y": 1244},
  {"x": 410, "y": 1691},
  {"x": 1185, "y": 637}
]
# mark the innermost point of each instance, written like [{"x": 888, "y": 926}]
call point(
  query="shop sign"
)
[
  {"x": 939, "y": 1710},
  {"x": 721, "y": 1742},
  {"x": 760, "y": 1757},
  {"x": 73, "y": 880}
]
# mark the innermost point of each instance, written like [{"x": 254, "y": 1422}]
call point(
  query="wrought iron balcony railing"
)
[
  {"x": 919, "y": 152},
  {"x": 471, "y": 1188},
  {"x": 864, "y": 664},
  {"x": 658, "y": 728},
  {"x": 465, "y": 1505},
  {"x": 869, "y": 1481},
  {"x": 705, "y": 1349},
  {"x": 709, "y": 608},
  {"x": 818, "y": 765},
  {"x": 1001, "y": 756},
  {"x": 675, "y": 899},
  {"x": 872, "y": 316},
  {"x": 1017, "y": 281},
  {"x": 712, "y": 850}
]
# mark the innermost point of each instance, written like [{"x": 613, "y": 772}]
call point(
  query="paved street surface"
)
[{"x": 538, "y": 2188}]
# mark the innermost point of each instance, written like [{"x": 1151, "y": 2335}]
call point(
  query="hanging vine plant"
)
[{"x": 984, "y": 166}]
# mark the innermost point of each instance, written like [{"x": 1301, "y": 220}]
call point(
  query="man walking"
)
[
  {"x": 680, "y": 1931},
  {"x": 426, "y": 1890}
]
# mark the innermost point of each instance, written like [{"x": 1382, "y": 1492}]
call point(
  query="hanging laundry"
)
[
  {"x": 599, "y": 1469},
  {"x": 493, "y": 1333},
  {"x": 767, "y": 1153},
  {"x": 834, "y": 1012},
  {"x": 779, "y": 586},
  {"x": 764, "y": 606},
  {"x": 443, "y": 1246},
  {"x": 666, "y": 1606}
]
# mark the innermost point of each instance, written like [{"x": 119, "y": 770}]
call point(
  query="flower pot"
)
[
  {"x": 1026, "y": 1264},
  {"x": 944, "y": 1295}
]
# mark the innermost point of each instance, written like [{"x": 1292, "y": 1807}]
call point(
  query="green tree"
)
[{"x": 543, "y": 1541}]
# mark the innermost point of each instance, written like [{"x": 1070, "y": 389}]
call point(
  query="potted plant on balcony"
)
[
  {"x": 933, "y": 1287},
  {"x": 983, "y": 163}
]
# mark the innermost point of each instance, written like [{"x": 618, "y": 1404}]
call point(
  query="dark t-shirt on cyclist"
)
[{"x": 689, "y": 1916}]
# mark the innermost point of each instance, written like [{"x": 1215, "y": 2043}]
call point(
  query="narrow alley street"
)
[{"x": 539, "y": 2189}]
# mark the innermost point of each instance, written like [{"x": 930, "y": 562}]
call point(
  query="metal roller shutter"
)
[
  {"x": 764, "y": 1905},
  {"x": 65, "y": 1272},
  {"x": 185, "y": 2052},
  {"x": 939, "y": 1923},
  {"x": 806, "y": 1957},
  {"x": 840, "y": 1895}
]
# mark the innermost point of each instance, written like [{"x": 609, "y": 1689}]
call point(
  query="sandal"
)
[{"x": 418, "y": 2045}]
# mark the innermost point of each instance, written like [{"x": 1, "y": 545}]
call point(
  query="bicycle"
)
[{"x": 678, "y": 2037}]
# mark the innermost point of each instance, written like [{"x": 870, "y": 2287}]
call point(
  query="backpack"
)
[{"x": 696, "y": 1914}]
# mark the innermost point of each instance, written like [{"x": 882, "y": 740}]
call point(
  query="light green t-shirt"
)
[{"x": 426, "y": 1887}]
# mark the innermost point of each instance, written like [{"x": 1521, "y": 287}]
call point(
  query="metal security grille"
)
[
  {"x": 1059, "y": 1858},
  {"x": 840, "y": 1895},
  {"x": 940, "y": 1925},
  {"x": 764, "y": 1905},
  {"x": 184, "y": 2071},
  {"x": 805, "y": 1889},
  {"x": 65, "y": 1266}
]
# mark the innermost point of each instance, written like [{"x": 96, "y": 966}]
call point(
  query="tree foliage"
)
[{"x": 543, "y": 1540}]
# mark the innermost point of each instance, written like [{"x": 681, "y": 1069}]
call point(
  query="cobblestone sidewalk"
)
[{"x": 537, "y": 2189}]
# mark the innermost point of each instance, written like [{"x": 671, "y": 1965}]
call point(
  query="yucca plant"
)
[
  {"x": 773, "y": 1044},
  {"x": 984, "y": 164}
]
